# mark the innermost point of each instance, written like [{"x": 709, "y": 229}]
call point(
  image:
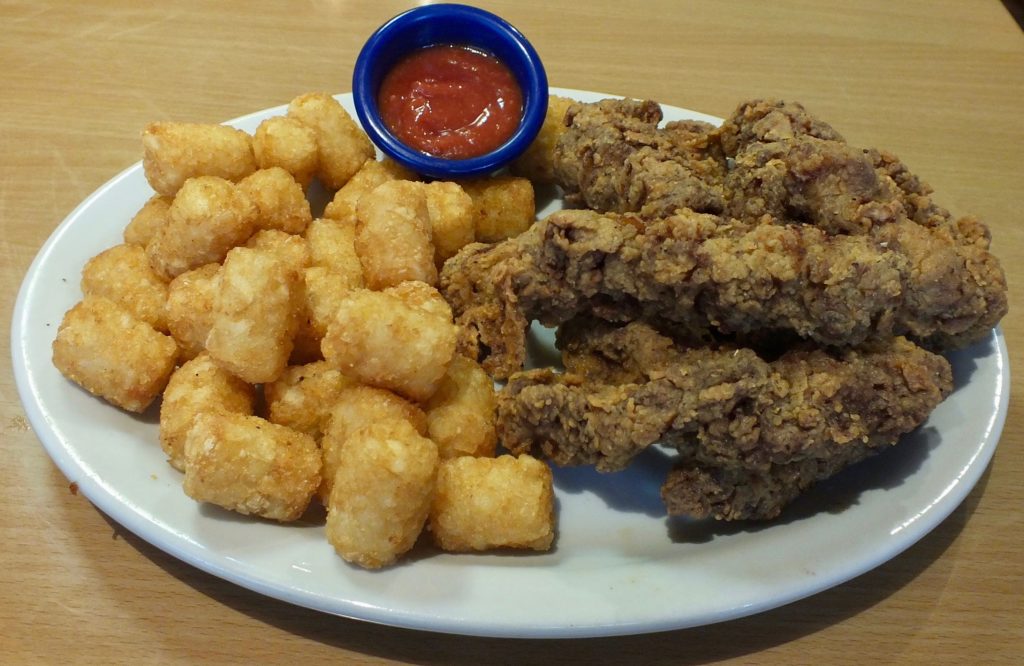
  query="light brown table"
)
[{"x": 939, "y": 83}]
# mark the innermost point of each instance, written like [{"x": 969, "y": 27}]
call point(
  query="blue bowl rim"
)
[{"x": 381, "y": 43}]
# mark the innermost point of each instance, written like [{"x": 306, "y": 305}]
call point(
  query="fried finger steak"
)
[
  {"x": 699, "y": 272},
  {"x": 770, "y": 157},
  {"x": 751, "y": 434},
  {"x": 614, "y": 157}
]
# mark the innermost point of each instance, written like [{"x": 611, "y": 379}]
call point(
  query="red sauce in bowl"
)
[{"x": 451, "y": 101}]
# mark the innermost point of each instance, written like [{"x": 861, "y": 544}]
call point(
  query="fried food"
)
[
  {"x": 504, "y": 206},
  {"x": 472, "y": 491},
  {"x": 280, "y": 201},
  {"x": 702, "y": 273},
  {"x": 174, "y": 152},
  {"x": 190, "y": 298},
  {"x": 614, "y": 157},
  {"x": 303, "y": 396},
  {"x": 104, "y": 349},
  {"x": 421, "y": 296},
  {"x": 255, "y": 315},
  {"x": 342, "y": 146},
  {"x": 197, "y": 387},
  {"x": 538, "y": 162},
  {"x": 769, "y": 158},
  {"x": 251, "y": 466},
  {"x": 208, "y": 217},
  {"x": 393, "y": 235},
  {"x": 332, "y": 246},
  {"x": 291, "y": 249},
  {"x": 731, "y": 414},
  {"x": 460, "y": 414},
  {"x": 768, "y": 121},
  {"x": 373, "y": 173},
  {"x": 379, "y": 339},
  {"x": 145, "y": 223},
  {"x": 452, "y": 218},
  {"x": 285, "y": 142},
  {"x": 123, "y": 275},
  {"x": 382, "y": 492},
  {"x": 355, "y": 407}
]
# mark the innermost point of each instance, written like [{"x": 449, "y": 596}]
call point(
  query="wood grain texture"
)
[{"x": 940, "y": 83}]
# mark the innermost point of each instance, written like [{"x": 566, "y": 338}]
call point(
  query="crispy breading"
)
[
  {"x": 797, "y": 419},
  {"x": 700, "y": 272},
  {"x": 613, "y": 157}
]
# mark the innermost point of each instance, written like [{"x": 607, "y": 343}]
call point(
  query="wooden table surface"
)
[{"x": 940, "y": 83}]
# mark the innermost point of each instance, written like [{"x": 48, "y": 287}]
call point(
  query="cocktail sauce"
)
[{"x": 451, "y": 101}]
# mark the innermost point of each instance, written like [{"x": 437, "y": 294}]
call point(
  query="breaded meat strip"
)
[
  {"x": 770, "y": 157},
  {"x": 751, "y": 434},
  {"x": 700, "y": 273},
  {"x": 614, "y": 157}
]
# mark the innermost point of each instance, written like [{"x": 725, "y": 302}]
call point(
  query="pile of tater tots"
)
[{"x": 301, "y": 358}]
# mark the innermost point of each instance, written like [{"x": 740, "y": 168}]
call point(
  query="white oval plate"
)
[{"x": 619, "y": 565}]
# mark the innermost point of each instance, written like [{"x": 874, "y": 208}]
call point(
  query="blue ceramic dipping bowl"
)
[{"x": 449, "y": 24}]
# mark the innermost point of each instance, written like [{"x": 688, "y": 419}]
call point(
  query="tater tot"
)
[
  {"x": 122, "y": 274},
  {"x": 291, "y": 249},
  {"x": 393, "y": 236},
  {"x": 249, "y": 465},
  {"x": 460, "y": 414},
  {"x": 378, "y": 339},
  {"x": 422, "y": 296},
  {"x": 369, "y": 176},
  {"x": 324, "y": 291},
  {"x": 451, "y": 214},
  {"x": 208, "y": 217},
  {"x": 382, "y": 493},
  {"x": 255, "y": 315},
  {"x": 538, "y": 162},
  {"x": 145, "y": 223},
  {"x": 198, "y": 386},
  {"x": 285, "y": 142},
  {"x": 174, "y": 152},
  {"x": 485, "y": 503},
  {"x": 190, "y": 308},
  {"x": 280, "y": 202},
  {"x": 354, "y": 408},
  {"x": 342, "y": 145},
  {"x": 504, "y": 206},
  {"x": 104, "y": 349},
  {"x": 332, "y": 246},
  {"x": 302, "y": 397}
]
